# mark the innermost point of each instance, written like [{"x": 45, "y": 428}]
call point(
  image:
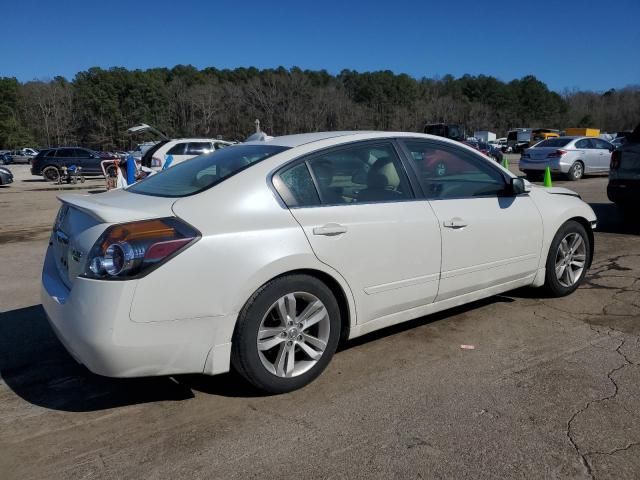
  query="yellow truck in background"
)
[
  {"x": 582, "y": 132},
  {"x": 540, "y": 134}
]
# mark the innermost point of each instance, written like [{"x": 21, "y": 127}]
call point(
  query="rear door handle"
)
[
  {"x": 330, "y": 230},
  {"x": 455, "y": 222}
]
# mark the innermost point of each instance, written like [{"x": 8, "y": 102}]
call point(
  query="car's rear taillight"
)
[
  {"x": 156, "y": 162},
  {"x": 616, "y": 157},
  {"x": 556, "y": 154},
  {"x": 131, "y": 250}
]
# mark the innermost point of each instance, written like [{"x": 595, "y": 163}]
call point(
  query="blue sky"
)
[{"x": 568, "y": 44}]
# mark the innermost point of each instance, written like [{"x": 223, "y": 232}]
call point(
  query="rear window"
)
[
  {"x": 554, "y": 142},
  {"x": 203, "y": 172}
]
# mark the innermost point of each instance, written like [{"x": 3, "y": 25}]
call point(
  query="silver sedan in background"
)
[{"x": 572, "y": 156}]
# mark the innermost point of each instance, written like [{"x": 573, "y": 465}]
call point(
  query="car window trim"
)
[
  {"x": 414, "y": 194},
  {"x": 446, "y": 146}
]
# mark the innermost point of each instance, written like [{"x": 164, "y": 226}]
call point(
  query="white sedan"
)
[{"x": 263, "y": 255}]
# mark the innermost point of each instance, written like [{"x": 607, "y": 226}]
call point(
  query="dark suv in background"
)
[
  {"x": 48, "y": 163},
  {"x": 624, "y": 174}
]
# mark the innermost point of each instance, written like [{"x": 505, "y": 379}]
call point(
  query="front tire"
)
[
  {"x": 568, "y": 259},
  {"x": 286, "y": 334}
]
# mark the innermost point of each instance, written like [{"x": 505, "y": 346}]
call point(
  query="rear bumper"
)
[
  {"x": 92, "y": 321},
  {"x": 554, "y": 166},
  {"x": 624, "y": 190}
]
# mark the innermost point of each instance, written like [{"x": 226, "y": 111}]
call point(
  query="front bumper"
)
[
  {"x": 6, "y": 179},
  {"x": 92, "y": 321}
]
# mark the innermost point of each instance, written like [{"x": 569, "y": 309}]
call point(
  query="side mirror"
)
[{"x": 518, "y": 186}]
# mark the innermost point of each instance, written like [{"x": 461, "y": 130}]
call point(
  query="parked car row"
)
[{"x": 23, "y": 155}]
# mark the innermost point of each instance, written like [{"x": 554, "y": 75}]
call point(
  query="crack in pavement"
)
[
  {"x": 601, "y": 272},
  {"x": 584, "y": 457}
]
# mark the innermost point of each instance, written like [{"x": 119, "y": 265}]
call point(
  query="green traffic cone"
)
[
  {"x": 547, "y": 177},
  {"x": 505, "y": 162}
]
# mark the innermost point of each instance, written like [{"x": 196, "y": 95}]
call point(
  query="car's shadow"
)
[{"x": 35, "y": 365}]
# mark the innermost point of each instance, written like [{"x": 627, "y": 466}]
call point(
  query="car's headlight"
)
[{"x": 131, "y": 250}]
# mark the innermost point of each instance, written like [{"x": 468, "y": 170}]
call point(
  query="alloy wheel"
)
[
  {"x": 577, "y": 171},
  {"x": 293, "y": 334},
  {"x": 571, "y": 257}
]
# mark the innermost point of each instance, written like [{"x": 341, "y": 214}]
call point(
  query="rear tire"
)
[
  {"x": 568, "y": 259},
  {"x": 51, "y": 174},
  {"x": 273, "y": 348},
  {"x": 576, "y": 171}
]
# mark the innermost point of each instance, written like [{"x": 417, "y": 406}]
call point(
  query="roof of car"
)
[
  {"x": 305, "y": 138},
  {"x": 196, "y": 140}
]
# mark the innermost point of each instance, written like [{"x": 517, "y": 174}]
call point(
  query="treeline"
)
[{"x": 97, "y": 106}]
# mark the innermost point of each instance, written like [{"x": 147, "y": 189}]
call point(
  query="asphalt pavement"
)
[{"x": 551, "y": 388}]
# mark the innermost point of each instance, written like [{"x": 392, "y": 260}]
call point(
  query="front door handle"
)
[
  {"x": 330, "y": 230},
  {"x": 455, "y": 222}
]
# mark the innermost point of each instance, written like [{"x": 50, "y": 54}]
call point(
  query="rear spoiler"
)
[{"x": 116, "y": 206}]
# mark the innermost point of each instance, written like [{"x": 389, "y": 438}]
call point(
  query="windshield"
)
[
  {"x": 203, "y": 172},
  {"x": 554, "y": 142}
]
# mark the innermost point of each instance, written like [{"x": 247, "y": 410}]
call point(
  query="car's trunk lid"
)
[
  {"x": 541, "y": 153},
  {"x": 83, "y": 218}
]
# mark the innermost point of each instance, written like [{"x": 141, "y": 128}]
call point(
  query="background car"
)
[
  {"x": 624, "y": 175},
  {"x": 48, "y": 163},
  {"x": 6, "y": 177},
  {"x": 180, "y": 149},
  {"x": 263, "y": 255},
  {"x": 572, "y": 156},
  {"x": 618, "y": 141},
  {"x": 24, "y": 155},
  {"x": 5, "y": 158}
]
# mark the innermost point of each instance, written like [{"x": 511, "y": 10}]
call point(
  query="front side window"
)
[
  {"x": 81, "y": 153},
  {"x": 447, "y": 172},
  {"x": 203, "y": 172},
  {"x": 65, "y": 153}
]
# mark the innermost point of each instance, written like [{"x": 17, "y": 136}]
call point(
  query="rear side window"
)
[
  {"x": 198, "y": 148},
  {"x": 601, "y": 144},
  {"x": 360, "y": 173},
  {"x": 584, "y": 143},
  {"x": 205, "y": 171},
  {"x": 554, "y": 142},
  {"x": 177, "y": 149}
]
